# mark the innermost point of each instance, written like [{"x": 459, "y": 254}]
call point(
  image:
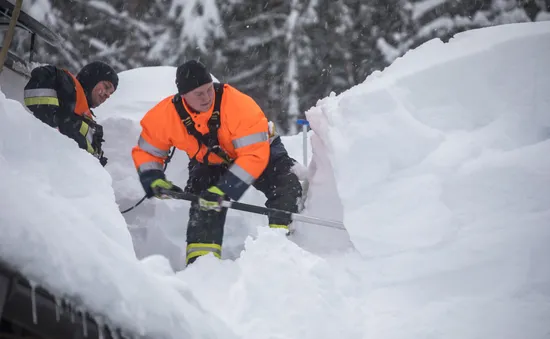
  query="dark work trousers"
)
[{"x": 279, "y": 184}]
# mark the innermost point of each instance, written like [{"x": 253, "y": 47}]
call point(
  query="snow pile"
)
[
  {"x": 437, "y": 166},
  {"x": 434, "y": 166},
  {"x": 442, "y": 168},
  {"x": 445, "y": 137},
  {"x": 60, "y": 227}
]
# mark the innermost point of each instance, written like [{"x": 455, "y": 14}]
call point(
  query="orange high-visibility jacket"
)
[
  {"x": 243, "y": 135},
  {"x": 81, "y": 106}
]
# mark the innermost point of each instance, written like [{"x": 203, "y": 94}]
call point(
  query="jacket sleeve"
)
[
  {"x": 41, "y": 96},
  {"x": 151, "y": 150},
  {"x": 251, "y": 142}
]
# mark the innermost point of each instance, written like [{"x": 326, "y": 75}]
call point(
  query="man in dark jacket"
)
[{"x": 63, "y": 101}]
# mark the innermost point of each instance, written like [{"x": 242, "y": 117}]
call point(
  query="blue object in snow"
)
[{"x": 305, "y": 124}]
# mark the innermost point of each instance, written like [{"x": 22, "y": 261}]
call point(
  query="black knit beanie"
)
[
  {"x": 190, "y": 75},
  {"x": 95, "y": 72}
]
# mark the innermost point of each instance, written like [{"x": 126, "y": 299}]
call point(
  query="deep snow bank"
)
[
  {"x": 441, "y": 163},
  {"x": 437, "y": 166},
  {"x": 60, "y": 226},
  {"x": 446, "y": 136}
]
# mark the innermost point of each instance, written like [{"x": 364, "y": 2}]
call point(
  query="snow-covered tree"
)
[
  {"x": 128, "y": 34},
  {"x": 444, "y": 18},
  {"x": 265, "y": 50},
  {"x": 286, "y": 54}
]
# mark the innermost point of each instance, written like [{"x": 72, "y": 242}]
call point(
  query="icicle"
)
[
  {"x": 84, "y": 323},
  {"x": 99, "y": 324},
  {"x": 113, "y": 332},
  {"x": 33, "y": 301},
  {"x": 72, "y": 312},
  {"x": 125, "y": 335},
  {"x": 58, "y": 309}
]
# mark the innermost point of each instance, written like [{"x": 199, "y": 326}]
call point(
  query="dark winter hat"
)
[
  {"x": 190, "y": 75},
  {"x": 95, "y": 72}
]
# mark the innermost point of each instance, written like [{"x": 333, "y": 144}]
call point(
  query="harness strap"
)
[{"x": 210, "y": 139}]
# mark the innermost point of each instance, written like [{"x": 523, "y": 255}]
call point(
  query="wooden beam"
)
[{"x": 9, "y": 34}]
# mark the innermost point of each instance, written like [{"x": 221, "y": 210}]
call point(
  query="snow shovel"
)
[{"x": 262, "y": 210}]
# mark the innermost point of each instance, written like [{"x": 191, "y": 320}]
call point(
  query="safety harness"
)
[{"x": 210, "y": 139}]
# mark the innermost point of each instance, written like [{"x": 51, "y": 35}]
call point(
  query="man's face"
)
[
  {"x": 201, "y": 98},
  {"x": 101, "y": 92}
]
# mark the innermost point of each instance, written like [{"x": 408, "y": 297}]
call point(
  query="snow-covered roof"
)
[
  {"x": 62, "y": 229},
  {"x": 436, "y": 166}
]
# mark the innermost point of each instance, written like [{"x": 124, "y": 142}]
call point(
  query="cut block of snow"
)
[
  {"x": 439, "y": 162},
  {"x": 400, "y": 158}
]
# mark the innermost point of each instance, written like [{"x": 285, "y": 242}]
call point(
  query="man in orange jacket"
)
[{"x": 226, "y": 136}]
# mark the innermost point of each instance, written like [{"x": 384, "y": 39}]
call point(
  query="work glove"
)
[
  {"x": 97, "y": 142},
  {"x": 85, "y": 140},
  {"x": 97, "y": 138},
  {"x": 164, "y": 189},
  {"x": 103, "y": 160},
  {"x": 211, "y": 199},
  {"x": 92, "y": 138}
]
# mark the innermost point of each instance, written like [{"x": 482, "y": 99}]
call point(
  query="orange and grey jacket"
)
[{"x": 243, "y": 135}]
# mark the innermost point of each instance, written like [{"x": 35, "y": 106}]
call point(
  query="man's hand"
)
[
  {"x": 164, "y": 189},
  {"x": 97, "y": 139},
  {"x": 85, "y": 137},
  {"x": 103, "y": 161},
  {"x": 211, "y": 199}
]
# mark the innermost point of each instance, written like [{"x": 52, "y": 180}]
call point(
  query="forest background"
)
[{"x": 285, "y": 54}]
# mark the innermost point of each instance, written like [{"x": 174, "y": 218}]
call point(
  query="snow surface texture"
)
[
  {"x": 438, "y": 167},
  {"x": 441, "y": 165},
  {"x": 11, "y": 83}
]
